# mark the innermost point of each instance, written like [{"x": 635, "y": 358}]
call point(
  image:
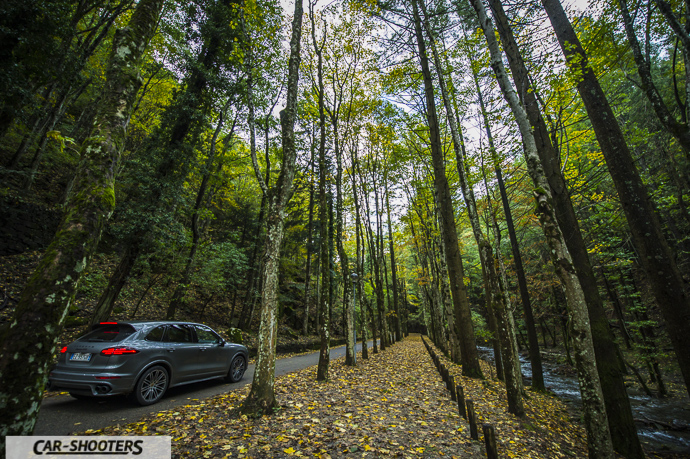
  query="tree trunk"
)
[
  {"x": 679, "y": 130},
  {"x": 331, "y": 264},
  {"x": 596, "y": 423},
  {"x": 618, "y": 309},
  {"x": 182, "y": 285},
  {"x": 254, "y": 267},
  {"x": 54, "y": 116},
  {"x": 376, "y": 319},
  {"x": 261, "y": 398},
  {"x": 359, "y": 254},
  {"x": 348, "y": 306},
  {"x": 668, "y": 285},
  {"x": 45, "y": 301},
  {"x": 468, "y": 347},
  {"x": 118, "y": 279},
  {"x": 506, "y": 333},
  {"x": 609, "y": 366},
  {"x": 310, "y": 228},
  {"x": 153, "y": 282},
  {"x": 434, "y": 285},
  {"x": 534, "y": 355},
  {"x": 394, "y": 269},
  {"x": 37, "y": 127},
  {"x": 325, "y": 262},
  {"x": 380, "y": 270},
  {"x": 443, "y": 298}
]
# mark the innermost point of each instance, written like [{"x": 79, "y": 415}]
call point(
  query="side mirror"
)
[{"x": 222, "y": 343}]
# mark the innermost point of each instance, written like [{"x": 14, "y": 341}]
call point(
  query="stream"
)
[{"x": 653, "y": 435}]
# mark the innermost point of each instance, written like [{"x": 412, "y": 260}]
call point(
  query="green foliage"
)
[
  {"x": 235, "y": 335},
  {"x": 92, "y": 283},
  {"x": 221, "y": 267},
  {"x": 481, "y": 330}
]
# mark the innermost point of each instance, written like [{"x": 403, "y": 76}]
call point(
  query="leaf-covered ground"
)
[
  {"x": 393, "y": 404},
  {"x": 545, "y": 431}
]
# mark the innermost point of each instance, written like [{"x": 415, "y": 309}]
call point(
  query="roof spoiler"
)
[{"x": 100, "y": 324}]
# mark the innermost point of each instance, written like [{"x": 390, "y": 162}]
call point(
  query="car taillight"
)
[
  {"x": 63, "y": 350},
  {"x": 118, "y": 351},
  {"x": 107, "y": 323},
  {"x": 101, "y": 378}
]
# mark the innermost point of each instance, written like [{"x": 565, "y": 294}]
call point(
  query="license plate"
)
[{"x": 78, "y": 357}]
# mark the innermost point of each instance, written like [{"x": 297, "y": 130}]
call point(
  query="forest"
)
[{"x": 509, "y": 174}]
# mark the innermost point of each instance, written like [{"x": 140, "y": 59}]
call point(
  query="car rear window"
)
[{"x": 108, "y": 333}]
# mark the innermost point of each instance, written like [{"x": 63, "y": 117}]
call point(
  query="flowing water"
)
[{"x": 653, "y": 415}]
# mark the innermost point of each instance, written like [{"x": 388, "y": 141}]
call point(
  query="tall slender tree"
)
[
  {"x": 468, "y": 347},
  {"x": 670, "y": 288},
  {"x": 609, "y": 362},
  {"x": 596, "y": 423},
  {"x": 40, "y": 314},
  {"x": 510, "y": 359},
  {"x": 261, "y": 397},
  {"x": 324, "y": 251}
]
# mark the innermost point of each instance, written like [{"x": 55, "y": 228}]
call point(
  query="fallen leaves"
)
[
  {"x": 390, "y": 405},
  {"x": 546, "y": 431}
]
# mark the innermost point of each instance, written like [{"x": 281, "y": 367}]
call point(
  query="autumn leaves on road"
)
[{"x": 393, "y": 404}]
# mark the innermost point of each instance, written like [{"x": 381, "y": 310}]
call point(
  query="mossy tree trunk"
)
[
  {"x": 671, "y": 290},
  {"x": 609, "y": 362},
  {"x": 29, "y": 341},
  {"x": 261, "y": 398},
  {"x": 596, "y": 423},
  {"x": 441, "y": 292}
]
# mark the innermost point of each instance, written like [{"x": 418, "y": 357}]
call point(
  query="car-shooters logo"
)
[{"x": 156, "y": 447}]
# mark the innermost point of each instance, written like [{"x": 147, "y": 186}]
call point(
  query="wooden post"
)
[
  {"x": 490, "y": 441},
  {"x": 451, "y": 388},
  {"x": 472, "y": 418},
  {"x": 460, "y": 394}
]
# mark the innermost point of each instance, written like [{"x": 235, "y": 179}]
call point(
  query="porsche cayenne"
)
[{"x": 144, "y": 359}]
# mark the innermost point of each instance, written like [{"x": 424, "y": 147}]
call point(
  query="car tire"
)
[
  {"x": 237, "y": 368},
  {"x": 151, "y": 386}
]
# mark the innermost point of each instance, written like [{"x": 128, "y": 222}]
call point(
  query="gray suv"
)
[{"x": 144, "y": 359}]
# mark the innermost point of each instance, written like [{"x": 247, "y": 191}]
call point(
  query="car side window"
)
[
  {"x": 178, "y": 334},
  {"x": 206, "y": 335},
  {"x": 156, "y": 334}
]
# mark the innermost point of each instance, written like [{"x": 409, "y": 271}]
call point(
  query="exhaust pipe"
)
[{"x": 103, "y": 389}]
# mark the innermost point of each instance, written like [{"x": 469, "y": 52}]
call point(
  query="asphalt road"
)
[{"x": 64, "y": 415}]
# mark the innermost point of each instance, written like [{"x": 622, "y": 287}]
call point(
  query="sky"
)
[{"x": 289, "y": 5}]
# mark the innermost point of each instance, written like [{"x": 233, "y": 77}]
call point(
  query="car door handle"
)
[
  {"x": 203, "y": 349},
  {"x": 171, "y": 349}
]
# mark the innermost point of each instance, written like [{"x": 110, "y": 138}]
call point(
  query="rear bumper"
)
[{"x": 87, "y": 384}]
